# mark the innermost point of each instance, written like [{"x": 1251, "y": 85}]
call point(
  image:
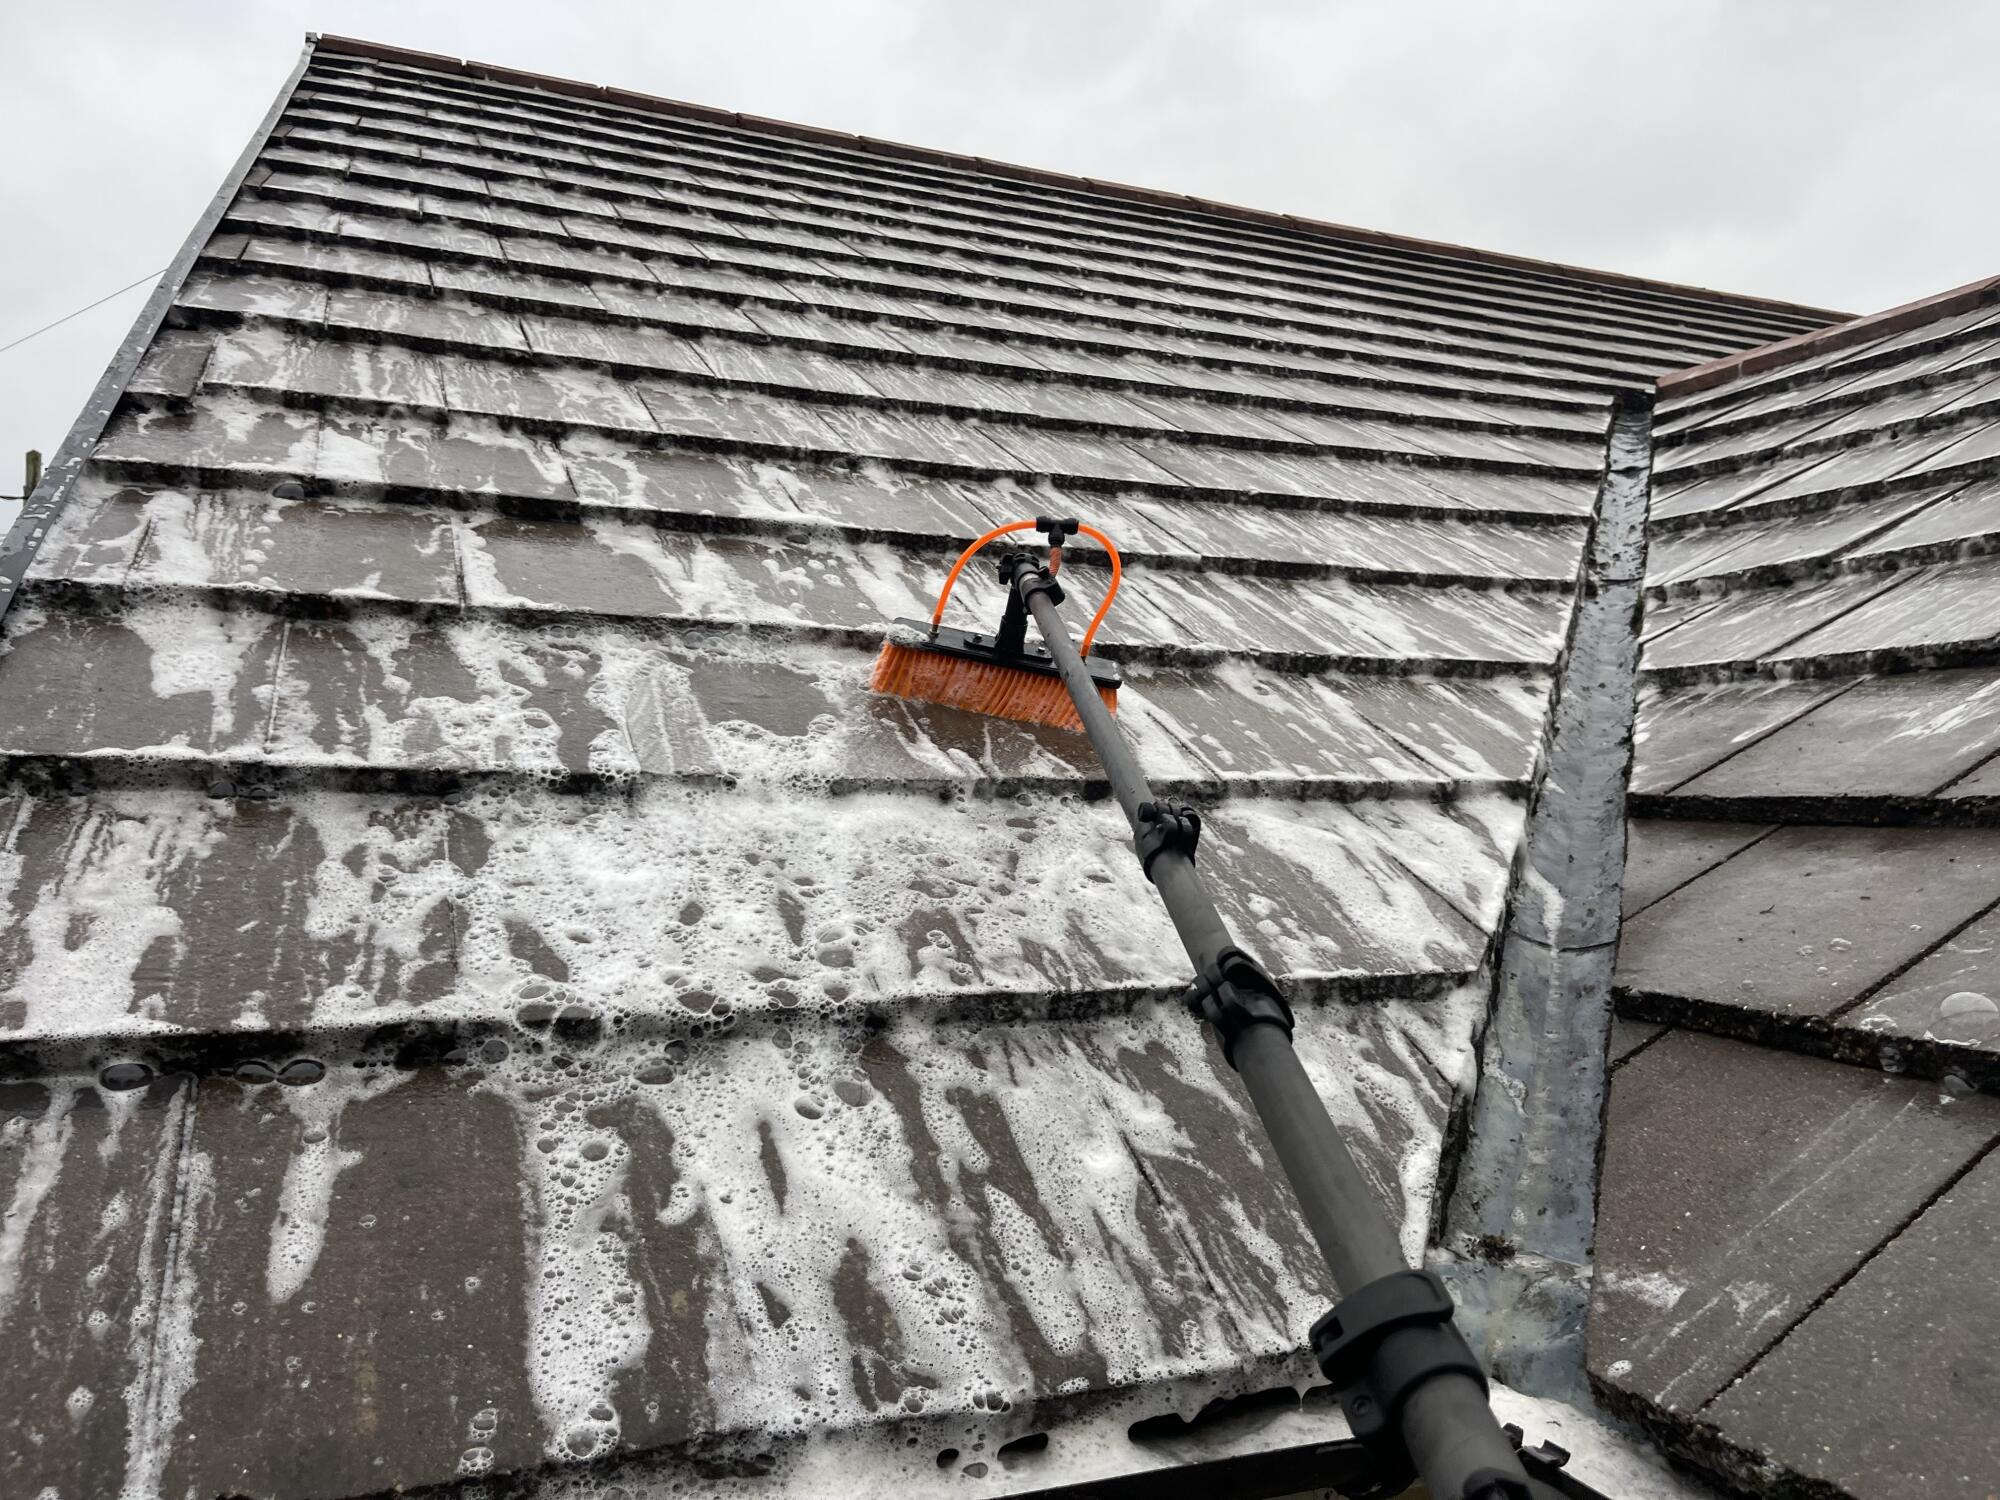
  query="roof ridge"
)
[
  {"x": 656, "y": 104},
  {"x": 1733, "y": 367}
]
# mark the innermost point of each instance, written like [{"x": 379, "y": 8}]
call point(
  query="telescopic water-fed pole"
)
[{"x": 1408, "y": 1382}]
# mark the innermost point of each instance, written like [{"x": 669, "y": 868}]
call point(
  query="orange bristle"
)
[{"x": 1003, "y": 692}]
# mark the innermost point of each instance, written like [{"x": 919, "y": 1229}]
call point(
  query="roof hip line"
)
[{"x": 1733, "y": 367}]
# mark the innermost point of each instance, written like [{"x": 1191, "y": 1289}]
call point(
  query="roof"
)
[
  {"x": 482, "y": 975},
  {"x": 1815, "y": 870}
]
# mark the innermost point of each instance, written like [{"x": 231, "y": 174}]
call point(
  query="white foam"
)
[{"x": 298, "y": 1226}]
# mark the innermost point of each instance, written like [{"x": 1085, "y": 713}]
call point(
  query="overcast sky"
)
[{"x": 1839, "y": 155}]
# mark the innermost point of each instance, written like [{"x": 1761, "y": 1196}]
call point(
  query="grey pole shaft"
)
[{"x": 1447, "y": 1426}]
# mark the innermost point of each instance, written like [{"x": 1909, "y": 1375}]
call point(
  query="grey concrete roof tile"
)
[
  {"x": 1473, "y": 729},
  {"x": 921, "y": 385},
  {"x": 1785, "y": 542},
  {"x": 1756, "y": 623},
  {"x": 173, "y": 366},
  {"x": 474, "y": 697},
  {"x": 892, "y": 501},
  {"x": 169, "y": 679},
  {"x": 1970, "y": 512},
  {"x": 84, "y": 1166},
  {"x": 538, "y": 253},
  {"x": 219, "y": 433},
  {"x": 808, "y": 323},
  {"x": 1628, "y": 1037},
  {"x": 1903, "y": 735},
  {"x": 1739, "y": 1184},
  {"x": 254, "y": 960},
  {"x": 602, "y": 568},
  {"x": 1809, "y": 919},
  {"x": 424, "y": 234},
  {"x": 96, "y": 537},
  {"x": 265, "y": 296},
  {"x": 1714, "y": 492},
  {"x": 1942, "y": 606},
  {"x": 1982, "y": 781},
  {"x": 303, "y": 156},
  {"x": 796, "y": 369},
  {"x": 441, "y": 318},
  {"x": 402, "y": 200},
  {"x": 1456, "y": 623},
  {"x": 301, "y": 1203},
  {"x": 613, "y": 343},
  {"x": 251, "y": 212},
  {"x": 1662, "y": 855},
  {"x": 527, "y": 286},
  {"x": 1952, "y": 996},
  {"x": 238, "y": 540},
  {"x": 619, "y": 475},
  {"x": 1677, "y": 556},
  {"x": 1042, "y": 451},
  {"x": 571, "y": 396},
  {"x": 273, "y": 364},
  {"x": 1090, "y": 405},
  {"x": 1681, "y": 731},
  {"x": 1250, "y": 723},
  {"x": 467, "y": 456},
  {"x": 1905, "y": 1325},
  {"x": 488, "y": 211},
  {"x": 913, "y": 437},
  {"x": 1852, "y": 468},
  {"x": 1476, "y": 489}
]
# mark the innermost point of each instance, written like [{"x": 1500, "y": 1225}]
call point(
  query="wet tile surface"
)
[
  {"x": 1740, "y": 1183},
  {"x": 1904, "y": 735},
  {"x": 557, "y": 466},
  {"x": 1805, "y": 921},
  {"x": 1681, "y": 731},
  {"x": 1661, "y": 856},
  {"x": 1949, "y": 997},
  {"x": 90, "y": 1177},
  {"x": 759, "y": 1187},
  {"x": 1916, "y": 1320}
]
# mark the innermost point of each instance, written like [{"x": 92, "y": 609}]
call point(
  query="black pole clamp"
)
[
  {"x": 1234, "y": 993},
  {"x": 1379, "y": 1344},
  {"x": 1164, "y": 826},
  {"x": 1023, "y": 578}
]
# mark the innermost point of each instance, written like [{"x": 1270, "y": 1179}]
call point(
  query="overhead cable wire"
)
[{"x": 149, "y": 276}]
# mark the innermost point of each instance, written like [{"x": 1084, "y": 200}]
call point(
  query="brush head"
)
[{"x": 916, "y": 666}]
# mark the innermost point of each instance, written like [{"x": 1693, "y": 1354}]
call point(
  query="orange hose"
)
[
  {"x": 1117, "y": 572},
  {"x": 944, "y": 594}
]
